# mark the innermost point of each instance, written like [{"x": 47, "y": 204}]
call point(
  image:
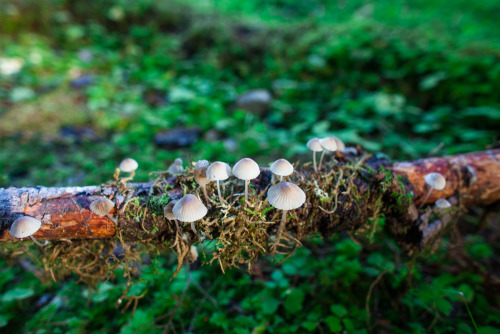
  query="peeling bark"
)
[{"x": 474, "y": 179}]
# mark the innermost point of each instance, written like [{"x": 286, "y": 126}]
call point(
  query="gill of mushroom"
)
[
  {"x": 246, "y": 169},
  {"x": 434, "y": 181},
  {"x": 218, "y": 171},
  {"x": 285, "y": 196},
  {"x": 26, "y": 226},
  {"x": 314, "y": 145}
]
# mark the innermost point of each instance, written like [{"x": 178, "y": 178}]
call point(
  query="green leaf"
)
[
  {"x": 333, "y": 323},
  {"x": 17, "y": 294},
  {"x": 338, "y": 310},
  {"x": 293, "y": 301},
  {"x": 269, "y": 303},
  {"x": 487, "y": 330},
  {"x": 444, "y": 306}
]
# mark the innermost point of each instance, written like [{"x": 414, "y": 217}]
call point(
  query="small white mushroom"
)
[
  {"x": 102, "y": 207},
  {"x": 200, "y": 175},
  {"x": 189, "y": 209},
  {"x": 443, "y": 204},
  {"x": 315, "y": 146},
  {"x": 281, "y": 167},
  {"x": 218, "y": 171},
  {"x": 329, "y": 144},
  {"x": 246, "y": 169},
  {"x": 176, "y": 167},
  {"x": 434, "y": 181},
  {"x": 285, "y": 196},
  {"x": 26, "y": 226},
  {"x": 129, "y": 165},
  {"x": 167, "y": 212}
]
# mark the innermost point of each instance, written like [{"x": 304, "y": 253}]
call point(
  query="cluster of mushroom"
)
[
  {"x": 436, "y": 181},
  {"x": 324, "y": 145}
]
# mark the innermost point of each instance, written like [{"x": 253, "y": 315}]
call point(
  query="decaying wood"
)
[{"x": 474, "y": 179}]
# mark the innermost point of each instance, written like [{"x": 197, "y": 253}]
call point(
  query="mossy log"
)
[{"x": 350, "y": 193}]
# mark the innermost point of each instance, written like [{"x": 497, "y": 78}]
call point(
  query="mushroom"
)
[
  {"x": 443, "y": 204},
  {"x": 285, "y": 196},
  {"x": 200, "y": 175},
  {"x": 176, "y": 167},
  {"x": 128, "y": 165},
  {"x": 189, "y": 209},
  {"x": 315, "y": 146},
  {"x": 167, "y": 212},
  {"x": 246, "y": 169},
  {"x": 340, "y": 144},
  {"x": 329, "y": 144},
  {"x": 218, "y": 171},
  {"x": 282, "y": 167},
  {"x": 26, "y": 226},
  {"x": 102, "y": 207},
  {"x": 435, "y": 181}
]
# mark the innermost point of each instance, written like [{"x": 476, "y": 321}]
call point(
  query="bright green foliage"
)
[{"x": 398, "y": 77}]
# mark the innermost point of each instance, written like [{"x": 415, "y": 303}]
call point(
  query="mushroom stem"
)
[
  {"x": 321, "y": 160},
  {"x": 205, "y": 192},
  {"x": 194, "y": 230},
  {"x": 36, "y": 241},
  {"x": 246, "y": 189},
  {"x": 314, "y": 161},
  {"x": 218, "y": 190},
  {"x": 280, "y": 229},
  {"x": 426, "y": 197},
  {"x": 116, "y": 174},
  {"x": 178, "y": 227},
  {"x": 113, "y": 219},
  {"x": 132, "y": 174},
  {"x": 281, "y": 178}
]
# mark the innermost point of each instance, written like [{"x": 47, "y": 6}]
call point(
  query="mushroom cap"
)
[
  {"x": 286, "y": 196},
  {"x": 442, "y": 203},
  {"x": 329, "y": 143},
  {"x": 314, "y": 145},
  {"x": 246, "y": 169},
  {"x": 128, "y": 165},
  {"x": 189, "y": 209},
  {"x": 435, "y": 180},
  {"x": 24, "y": 226},
  {"x": 340, "y": 144},
  {"x": 218, "y": 171},
  {"x": 167, "y": 210},
  {"x": 102, "y": 206},
  {"x": 176, "y": 167},
  {"x": 200, "y": 172},
  {"x": 282, "y": 167}
]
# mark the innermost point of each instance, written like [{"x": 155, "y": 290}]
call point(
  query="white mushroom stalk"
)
[
  {"x": 285, "y": 196},
  {"x": 434, "y": 181},
  {"x": 315, "y": 146},
  {"x": 246, "y": 169},
  {"x": 218, "y": 171},
  {"x": 329, "y": 144},
  {"x": 24, "y": 227}
]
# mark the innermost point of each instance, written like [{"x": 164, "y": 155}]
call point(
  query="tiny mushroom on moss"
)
[
  {"x": 281, "y": 167},
  {"x": 329, "y": 145},
  {"x": 218, "y": 171},
  {"x": 315, "y": 146},
  {"x": 434, "y": 181},
  {"x": 189, "y": 209},
  {"x": 176, "y": 167},
  {"x": 102, "y": 207},
  {"x": 129, "y": 165},
  {"x": 443, "y": 204},
  {"x": 246, "y": 169},
  {"x": 26, "y": 226},
  {"x": 285, "y": 196},
  {"x": 200, "y": 175},
  {"x": 168, "y": 213}
]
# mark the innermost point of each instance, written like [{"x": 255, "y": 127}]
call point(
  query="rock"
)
[
  {"x": 82, "y": 81},
  {"x": 177, "y": 138},
  {"x": 255, "y": 101}
]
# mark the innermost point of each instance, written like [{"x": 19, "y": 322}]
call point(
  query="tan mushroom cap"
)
[
  {"x": 442, "y": 203},
  {"x": 435, "y": 180},
  {"x": 102, "y": 206},
  {"x": 314, "y": 145},
  {"x": 200, "y": 172},
  {"x": 128, "y": 165},
  {"x": 286, "y": 196},
  {"x": 329, "y": 143},
  {"x": 218, "y": 171},
  {"x": 189, "y": 209},
  {"x": 24, "y": 226},
  {"x": 246, "y": 169},
  {"x": 282, "y": 167},
  {"x": 176, "y": 167},
  {"x": 167, "y": 211}
]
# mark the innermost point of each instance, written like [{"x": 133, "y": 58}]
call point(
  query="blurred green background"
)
[{"x": 84, "y": 84}]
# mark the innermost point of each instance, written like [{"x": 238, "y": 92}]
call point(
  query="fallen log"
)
[{"x": 346, "y": 195}]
